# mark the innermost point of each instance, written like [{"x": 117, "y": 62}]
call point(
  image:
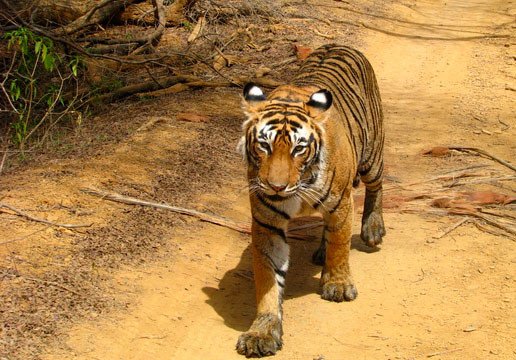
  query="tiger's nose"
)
[{"x": 278, "y": 187}]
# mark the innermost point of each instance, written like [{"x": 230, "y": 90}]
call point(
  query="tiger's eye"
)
[
  {"x": 264, "y": 146},
  {"x": 298, "y": 149}
]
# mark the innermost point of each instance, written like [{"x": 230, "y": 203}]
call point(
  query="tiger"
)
[{"x": 306, "y": 145}]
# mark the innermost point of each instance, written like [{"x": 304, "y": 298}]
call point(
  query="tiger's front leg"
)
[
  {"x": 270, "y": 263},
  {"x": 337, "y": 283}
]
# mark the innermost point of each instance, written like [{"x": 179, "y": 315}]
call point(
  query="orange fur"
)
[{"x": 304, "y": 145}]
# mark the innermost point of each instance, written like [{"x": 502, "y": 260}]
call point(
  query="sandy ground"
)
[{"x": 444, "y": 80}]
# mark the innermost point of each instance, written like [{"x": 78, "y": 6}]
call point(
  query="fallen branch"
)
[
  {"x": 95, "y": 15},
  {"x": 151, "y": 85},
  {"x": 128, "y": 44},
  {"x": 463, "y": 174},
  {"x": 161, "y": 21},
  {"x": 444, "y": 212},
  {"x": 213, "y": 219},
  {"x": 483, "y": 152},
  {"x": 189, "y": 81},
  {"x": 451, "y": 228},
  {"x": 487, "y": 180},
  {"x": 44, "y": 221},
  {"x": 486, "y": 219}
]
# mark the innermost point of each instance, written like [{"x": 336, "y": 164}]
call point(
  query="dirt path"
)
[{"x": 419, "y": 297}]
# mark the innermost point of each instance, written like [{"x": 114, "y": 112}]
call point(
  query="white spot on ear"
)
[
  {"x": 255, "y": 91},
  {"x": 319, "y": 97}
]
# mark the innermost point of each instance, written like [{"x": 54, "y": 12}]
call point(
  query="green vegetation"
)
[{"x": 39, "y": 84}]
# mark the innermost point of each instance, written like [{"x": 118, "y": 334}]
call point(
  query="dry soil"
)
[{"x": 155, "y": 285}]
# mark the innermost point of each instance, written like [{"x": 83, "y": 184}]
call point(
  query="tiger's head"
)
[{"x": 282, "y": 139}]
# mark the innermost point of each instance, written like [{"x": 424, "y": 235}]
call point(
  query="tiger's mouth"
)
[{"x": 276, "y": 195}]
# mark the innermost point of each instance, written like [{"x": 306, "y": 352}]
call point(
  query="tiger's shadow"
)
[{"x": 234, "y": 299}]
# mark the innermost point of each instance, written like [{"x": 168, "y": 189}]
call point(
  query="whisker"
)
[
  {"x": 307, "y": 197},
  {"x": 314, "y": 195}
]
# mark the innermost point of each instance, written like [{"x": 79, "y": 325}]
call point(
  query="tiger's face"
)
[{"x": 282, "y": 138}]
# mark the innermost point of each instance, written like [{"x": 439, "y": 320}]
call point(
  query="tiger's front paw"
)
[
  {"x": 263, "y": 339},
  {"x": 339, "y": 291},
  {"x": 254, "y": 344}
]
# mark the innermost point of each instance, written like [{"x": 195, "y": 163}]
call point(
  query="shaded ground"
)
[{"x": 142, "y": 283}]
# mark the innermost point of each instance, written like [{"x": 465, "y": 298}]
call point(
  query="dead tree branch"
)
[
  {"x": 483, "y": 152},
  {"x": 451, "y": 228},
  {"x": 189, "y": 81},
  {"x": 213, "y": 219},
  {"x": 96, "y": 15},
  {"x": 486, "y": 219},
  {"x": 44, "y": 221}
]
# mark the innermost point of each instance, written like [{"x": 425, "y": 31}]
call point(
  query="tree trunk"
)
[{"x": 71, "y": 14}]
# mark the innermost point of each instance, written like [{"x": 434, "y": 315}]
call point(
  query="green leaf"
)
[
  {"x": 48, "y": 62},
  {"x": 44, "y": 53},
  {"x": 15, "y": 90},
  {"x": 23, "y": 41},
  {"x": 37, "y": 47}
]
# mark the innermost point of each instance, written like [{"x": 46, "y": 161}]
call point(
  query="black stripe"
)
[
  {"x": 274, "y": 229},
  {"x": 274, "y": 122},
  {"x": 347, "y": 92},
  {"x": 294, "y": 124},
  {"x": 348, "y": 103},
  {"x": 272, "y": 207},
  {"x": 280, "y": 272},
  {"x": 277, "y": 271},
  {"x": 325, "y": 196},
  {"x": 301, "y": 116},
  {"x": 312, "y": 179},
  {"x": 378, "y": 175}
]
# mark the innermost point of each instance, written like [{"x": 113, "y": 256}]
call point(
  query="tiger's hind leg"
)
[{"x": 373, "y": 228}]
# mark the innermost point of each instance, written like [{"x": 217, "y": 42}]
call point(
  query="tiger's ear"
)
[
  {"x": 319, "y": 102},
  {"x": 254, "y": 98},
  {"x": 253, "y": 92}
]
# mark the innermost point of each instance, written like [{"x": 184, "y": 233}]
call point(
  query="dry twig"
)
[
  {"x": 486, "y": 219},
  {"x": 451, "y": 228},
  {"x": 483, "y": 152},
  {"x": 213, "y": 219},
  {"x": 44, "y": 221},
  {"x": 485, "y": 180}
]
